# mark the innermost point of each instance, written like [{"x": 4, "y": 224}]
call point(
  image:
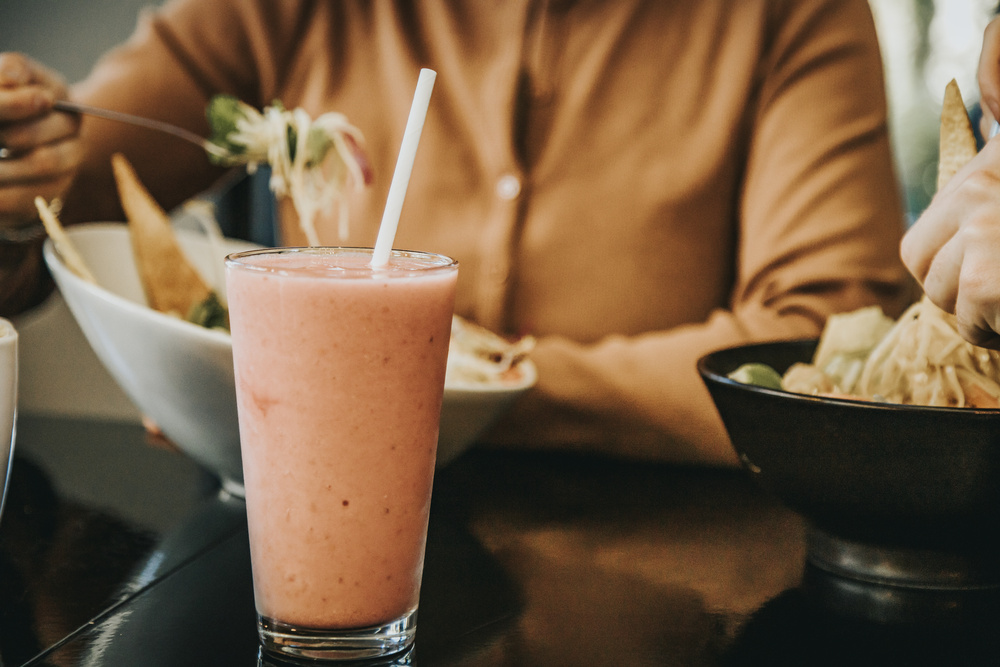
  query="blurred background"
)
[{"x": 925, "y": 43}]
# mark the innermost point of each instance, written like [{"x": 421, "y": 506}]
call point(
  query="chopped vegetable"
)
[
  {"x": 760, "y": 375},
  {"x": 224, "y": 112},
  {"x": 209, "y": 313}
]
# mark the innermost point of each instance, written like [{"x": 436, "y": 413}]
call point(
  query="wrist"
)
[{"x": 24, "y": 231}]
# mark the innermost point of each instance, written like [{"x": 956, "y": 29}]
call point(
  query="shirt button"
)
[{"x": 508, "y": 187}]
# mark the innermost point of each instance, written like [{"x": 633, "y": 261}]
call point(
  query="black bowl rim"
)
[{"x": 710, "y": 375}]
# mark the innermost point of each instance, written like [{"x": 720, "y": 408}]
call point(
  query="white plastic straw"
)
[{"x": 404, "y": 166}]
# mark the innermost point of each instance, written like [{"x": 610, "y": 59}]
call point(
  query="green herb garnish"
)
[{"x": 209, "y": 313}]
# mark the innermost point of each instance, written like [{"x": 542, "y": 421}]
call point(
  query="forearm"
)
[
  {"x": 633, "y": 397},
  {"x": 641, "y": 397}
]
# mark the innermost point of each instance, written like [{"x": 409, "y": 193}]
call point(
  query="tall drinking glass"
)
[
  {"x": 339, "y": 381},
  {"x": 8, "y": 402}
]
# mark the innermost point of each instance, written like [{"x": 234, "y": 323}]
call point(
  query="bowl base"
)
[
  {"x": 902, "y": 566},
  {"x": 899, "y": 584},
  {"x": 885, "y": 605}
]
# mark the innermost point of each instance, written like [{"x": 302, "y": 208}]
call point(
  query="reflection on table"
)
[{"x": 116, "y": 552}]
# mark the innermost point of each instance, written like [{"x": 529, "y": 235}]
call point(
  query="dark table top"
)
[{"x": 116, "y": 552}]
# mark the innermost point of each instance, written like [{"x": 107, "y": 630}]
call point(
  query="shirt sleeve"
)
[
  {"x": 820, "y": 219},
  {"x": 178, "y": 57}
]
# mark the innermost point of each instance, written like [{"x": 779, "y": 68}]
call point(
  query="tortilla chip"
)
[
  {"x": 171, "y": 283},
  {"x": 958, "y": 141}
]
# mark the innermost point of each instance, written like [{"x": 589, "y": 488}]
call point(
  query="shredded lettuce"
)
[
  {"x": 224, "y": 113},
  {"x": 312, "y": 161}
]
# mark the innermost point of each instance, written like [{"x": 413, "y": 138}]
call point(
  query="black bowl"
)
[{"x": 921, "y": 484}]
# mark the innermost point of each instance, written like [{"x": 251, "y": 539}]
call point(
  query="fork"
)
[{"x": 67, "y": 106}]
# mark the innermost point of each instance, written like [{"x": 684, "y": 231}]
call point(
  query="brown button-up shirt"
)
[{"x": 636, "y": 183}]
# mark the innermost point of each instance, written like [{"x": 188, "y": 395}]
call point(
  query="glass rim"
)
[{"x": 238, "y": 260}]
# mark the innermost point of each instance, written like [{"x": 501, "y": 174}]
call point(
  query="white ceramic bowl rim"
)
[
  {"x": 529, "y": 373},
  {"x": 129, "y": 305}
]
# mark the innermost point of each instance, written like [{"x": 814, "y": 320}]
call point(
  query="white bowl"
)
[{"x": 180, "y": 375}]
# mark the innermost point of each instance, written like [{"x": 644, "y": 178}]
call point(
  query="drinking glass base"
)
[{"x": 337, "y": 644}]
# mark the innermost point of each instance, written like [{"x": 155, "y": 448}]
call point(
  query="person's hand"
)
[
  {"x": 954, "y": 248},
  {"x": 40, "y": 149}
]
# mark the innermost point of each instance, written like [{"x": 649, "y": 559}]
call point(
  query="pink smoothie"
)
[{"x": 339, "y": 379}]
